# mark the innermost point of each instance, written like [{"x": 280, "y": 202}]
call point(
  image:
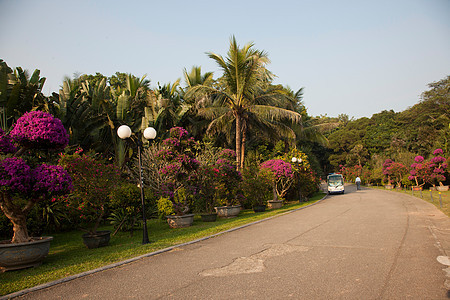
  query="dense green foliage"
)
[{"x": 399, "y": 136}]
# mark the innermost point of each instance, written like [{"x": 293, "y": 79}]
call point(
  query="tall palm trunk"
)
[
  {"x": 238, "y": 141},
  {"x": 244, "y": 140}
]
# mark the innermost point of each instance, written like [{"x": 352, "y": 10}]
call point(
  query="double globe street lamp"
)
[
  {"x": 298, "y": 161},
  {"x": 124, "y": 132}
]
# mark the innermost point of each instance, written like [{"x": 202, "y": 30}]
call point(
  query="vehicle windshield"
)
[{"x": 335, "y": 181}]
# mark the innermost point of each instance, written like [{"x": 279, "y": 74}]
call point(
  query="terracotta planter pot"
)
[
  {"x": 274, "y": 204},
  {"x": 180, "y": 221},
  {"x": 97, "y": 240},
  {"x": 23, "y": 255},
  {"x": 228, "y": 211},
  {"x": 209, "y": 217}
]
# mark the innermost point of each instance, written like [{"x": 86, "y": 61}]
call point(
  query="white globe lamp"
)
[
  {"x": 124, "y": 132},
  {"x": 150, "y": 133}
]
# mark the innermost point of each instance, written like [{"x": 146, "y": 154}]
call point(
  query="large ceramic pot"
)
[
  {"x": 228, "y": 211},
  {"x": 209, "y": 217},
  {"x": 442, "y": 188},
  {"x": 259, "y": 208},
  {"x": 180, "y": 221},
  {"x": 97, "y": 239},
  {"x": 23, "y": 255},
  {"x": 275, "y": 204}
]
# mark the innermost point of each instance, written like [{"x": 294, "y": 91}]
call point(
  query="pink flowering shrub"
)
[
  {"x": 394, "y": 171},
  {"x": 439, "y": 166},
  {"x": 282, "y": 176},
  {"x": 24, "y": 176},
  {"x": 179, "y": 170}
]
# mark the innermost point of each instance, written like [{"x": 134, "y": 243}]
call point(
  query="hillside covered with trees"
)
[{"x": 399, "y": 136}]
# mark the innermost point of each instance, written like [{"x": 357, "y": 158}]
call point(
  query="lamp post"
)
[
  {"x": 124, "y": 132},
  {"x": 298, "y": 161}
]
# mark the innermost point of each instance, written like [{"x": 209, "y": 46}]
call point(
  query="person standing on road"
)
[{"x": 358, "y": 183}]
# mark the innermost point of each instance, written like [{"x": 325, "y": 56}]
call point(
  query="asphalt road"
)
[{"x": 366, "y": 244}]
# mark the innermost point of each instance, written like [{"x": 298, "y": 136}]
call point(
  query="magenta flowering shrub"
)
[
  {"x": 283, "y": 176},
  {"x": 430, "y": 171},
  {"x": 419, "y": 159},
  {"x": 6, "y": 145},
  {"x": 394, "y": 171},
  {"x": 279, "y": 168},
  {"x": 179, "y": 170},
  {"x": 51, "y": 180},
  {"x": 37, "y": 129},
  {"x": 15, "y": 175},
  {"x": 21, "y": 177},
  {"x": 439, "y": 165}
]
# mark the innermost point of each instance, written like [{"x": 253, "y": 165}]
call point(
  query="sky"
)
[{"x": 351, "y": 57}]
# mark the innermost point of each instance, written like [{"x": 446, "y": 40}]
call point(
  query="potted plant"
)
[
  {"x": 205, "y": 198},
  {"x": 387, "y": 163},
  {"x": 419, "y": 172},
  {"x": 439, "y": 167},
  {"x": 93, "y": 181},
  {"x": 179, "y": 175},
  {"x": 227, "y": 184},
  {"x": 282, "y": 178},
  {"x": 27, "y": 176},
  {"x": 257, "y": 187}
]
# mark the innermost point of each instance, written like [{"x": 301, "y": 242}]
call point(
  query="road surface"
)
[{"x": 367, "y": 244}]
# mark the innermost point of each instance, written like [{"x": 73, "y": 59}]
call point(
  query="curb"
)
[{"x": 117, "y": 264}]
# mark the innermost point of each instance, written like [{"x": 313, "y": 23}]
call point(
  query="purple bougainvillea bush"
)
[
  {"x": 26, "y": 179},
  {"x": 439, "y": 166},
  {"x": 40, "y": 130},
  {"x": 282, "y": 176}
]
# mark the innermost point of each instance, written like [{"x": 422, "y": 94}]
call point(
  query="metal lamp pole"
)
[
  {"x": 298, "y": 161},
  {"x": 124, "y": 132}
]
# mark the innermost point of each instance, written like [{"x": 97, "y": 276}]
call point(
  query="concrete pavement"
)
[{"x": 367, "y": 244}]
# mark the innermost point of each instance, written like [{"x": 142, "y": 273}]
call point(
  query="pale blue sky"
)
[{"x": 353, "y": 57}]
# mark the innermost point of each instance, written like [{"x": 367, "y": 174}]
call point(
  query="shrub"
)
[
  {"x": 93, "y": 180},
  {"x": 283, "y": 176},
  {"x": 256, "y": 185},
  {"x": 24, "y": 179},
  {"x": 126, "y": 206},
  {"x": 179, "y": 174},
  {"x": 227, "y": 178}
]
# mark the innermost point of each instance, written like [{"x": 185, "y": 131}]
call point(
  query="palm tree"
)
[
  {"x": 170, "y": 106},
  {"x": 195, "y": 77},
  {"x": 20, "y": 93},
  {"x": 243, "y": 94}
]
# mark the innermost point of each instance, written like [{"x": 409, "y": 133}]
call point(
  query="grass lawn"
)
[
  {"x": 432, "y": 197},
  {"x": 69, "y": 256}
]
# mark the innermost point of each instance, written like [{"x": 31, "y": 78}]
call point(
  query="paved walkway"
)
[{"x": 366, "y": 244}]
